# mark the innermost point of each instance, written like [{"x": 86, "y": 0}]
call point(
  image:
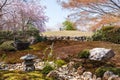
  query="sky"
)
[{"x": 55, "y": 12}]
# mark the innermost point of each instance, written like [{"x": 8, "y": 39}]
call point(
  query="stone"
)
[
  {"x": 87, "y": 75},
  {"x": 31, "y": 40},
  {"x": 70, "y": 66},
  {"x": 28, "y": 62},
  {"x": 94, "y": 77},
  {"x": 114, "y": 77},
  {"x": 99, "y": 78},
  {"x": 28, "y": 57},
  {"x": 21, "y": 45},
  {"x": 101, "y": 54},
  {"x": 80, "y": 70},
  {"x": 54, "y": 74},
  {"x": 107, "y": 74}
]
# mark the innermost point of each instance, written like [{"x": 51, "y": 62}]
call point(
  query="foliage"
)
[
  {"x": 101, "y": 70},
  {"x": 59, "y": 62},
  {"x": 68, "y": 25},
  {"x": 83, "y": 54},
  {"x": 7, "y": 46},
  {"x": 47, "y": 69},
  {"x": 82, "y": 11},
  {"x": 10, "y": 35},
  {"x": 108, "y": 33},
  {"x": 19, "y": 14},
  {"x": 98, "y": 36}
]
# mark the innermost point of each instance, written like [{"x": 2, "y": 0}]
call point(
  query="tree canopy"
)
[
  {"x": 99, "y": 11},
  {"x": 68, "y": 25},
  {"x": 17, "y": 14}
]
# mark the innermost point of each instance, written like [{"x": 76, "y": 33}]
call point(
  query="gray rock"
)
[
  {"x": 53, "y": 74},
  {"x": 87, "y": 75},
  {"x": 101, "y": 54},
  {"x": 80, "y": 70},
  {"x": 28, "y": 57},
  {"x": 98, "y": 79},
  {"x": 114, "y": 77},
  {"x": 28, "y": 63},
  {"x": 107, "y": 74}
]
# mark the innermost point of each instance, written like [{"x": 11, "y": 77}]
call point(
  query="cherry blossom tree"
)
[{"x": 20, "y": 13}]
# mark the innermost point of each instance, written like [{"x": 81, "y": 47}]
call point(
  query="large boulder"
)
[{"x": 101, "y": 54}]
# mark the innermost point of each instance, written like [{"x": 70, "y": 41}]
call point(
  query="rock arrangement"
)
[
  {"x": 69, "y": 72},
  {"x": 66, "y": 73},
  {"x": 39, "y": 65},
  {"x": 76, "y": 38}
]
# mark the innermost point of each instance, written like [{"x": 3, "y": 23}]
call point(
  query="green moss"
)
[
  {"x": 83, "y": 54},
  {"x": 19, "y": 75},
  {"x": 47, "y": 69},
  {"x": 60, "y": 62}
]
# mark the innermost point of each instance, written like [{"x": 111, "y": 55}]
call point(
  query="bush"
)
[
  {"x": 101, "y": 70},
  {"x": 7, "y": 46},
  {"x": 98, "y": 35},
  {"x": 10, "y": 35},
  {"x": 47, "y": 69},
  {"x": 59, "y": 62},
  {"x": 108, "y": 33},
  {"x": 83, "y": 54}
]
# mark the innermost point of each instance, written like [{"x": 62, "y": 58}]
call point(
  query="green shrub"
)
[
  {"x": 10, "y": 35},
  {"x": 98, "y": 36},
  {"x": 7, "y": 46},
  {"x": 47, "y": 69},
  {"x": 108, "y": 33},
  {"x": 59, "y": 62},
  {"x": 101, "y": 70},
  {"x": 83, "y": 54}
]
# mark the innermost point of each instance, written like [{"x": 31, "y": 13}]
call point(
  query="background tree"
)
[
  {"x": 100, "y": 12},
  {"x": 19, "y": 13},
  {"x": 68, "y": 25}
]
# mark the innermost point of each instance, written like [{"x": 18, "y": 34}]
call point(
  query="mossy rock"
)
[
  {"x": 7, "y": 46},
  {"x": 84, "y": 54}
]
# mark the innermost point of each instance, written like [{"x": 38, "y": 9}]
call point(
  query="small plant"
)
[
  {"x": 84, "y": 54},
  {"x": 47, "y": 69},
  {"x": 59, "y": 62},
  {"x": 101, "y": 70}
]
